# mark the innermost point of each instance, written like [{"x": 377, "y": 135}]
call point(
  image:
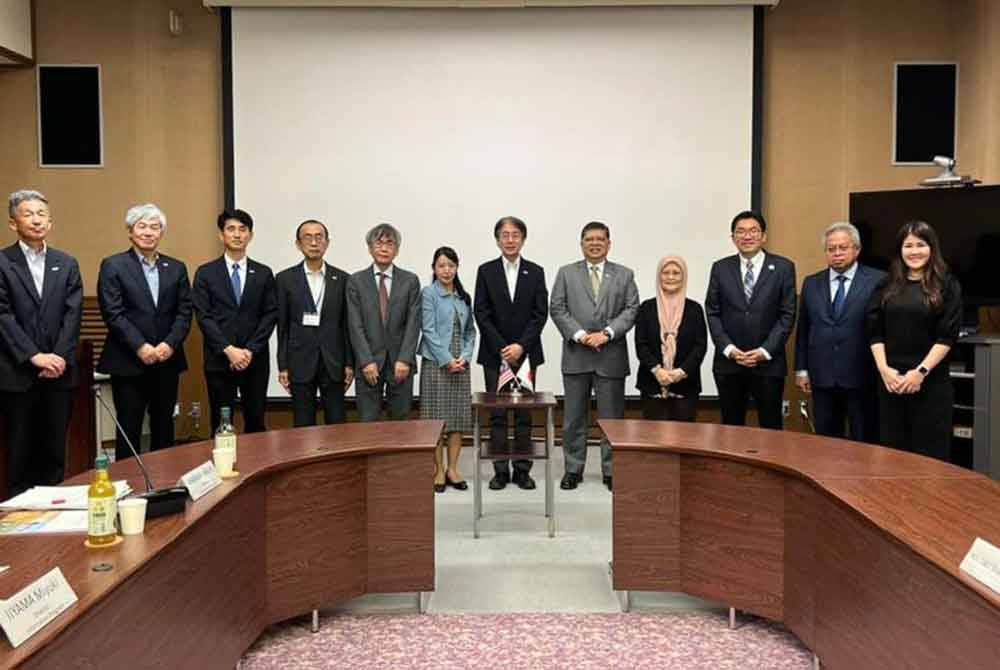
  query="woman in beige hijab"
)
[{"x": 670, "y": 340}]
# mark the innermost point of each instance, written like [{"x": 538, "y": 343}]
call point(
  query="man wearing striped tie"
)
[{"x": 750, "y": 308}]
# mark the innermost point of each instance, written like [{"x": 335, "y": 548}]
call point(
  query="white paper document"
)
[
  {"x": 983, "y": 563},
  {"x": 58, "y": 497}
]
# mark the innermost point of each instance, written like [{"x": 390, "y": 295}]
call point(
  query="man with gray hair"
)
[
  {"x": 383, "y": 320},
  {"x": 41, "y": 299},
  {"x": 833, "y": 362},
  {"x": 145, "y": 300}
]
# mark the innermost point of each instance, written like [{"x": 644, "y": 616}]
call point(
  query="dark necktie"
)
[
  {"x": 383, "y": 297},
  {"x": 748, "y": 282},
  {"x": 840, "y": 296},
  {"x": 237, "y": 291}
]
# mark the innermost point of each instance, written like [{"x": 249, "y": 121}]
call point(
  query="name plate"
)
[
  {"x": 201, "y": 480},
  {"x": 32, "y": 607},
  {"x": 983, "y": 563}
]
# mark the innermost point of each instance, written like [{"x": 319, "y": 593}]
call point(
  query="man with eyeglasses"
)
[
  {"x": 833, "y": 361},
  {"x": 383, "y": 317},
  {"x": 750, "y": 308},
  {"x": 41, "y": 299},
  {"x": 145, "y": 300},
  {"x": 314, "y": 350}
]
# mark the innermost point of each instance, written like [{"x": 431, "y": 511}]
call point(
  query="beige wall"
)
[
  {"x": 827, "y": 126},
  {"x": 162, "y": 131}
]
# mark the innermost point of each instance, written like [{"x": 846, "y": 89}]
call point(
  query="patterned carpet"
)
[{"x": 545, "y": 641}]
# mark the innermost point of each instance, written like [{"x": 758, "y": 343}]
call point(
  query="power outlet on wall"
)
[{"x": 784, "y": 408}]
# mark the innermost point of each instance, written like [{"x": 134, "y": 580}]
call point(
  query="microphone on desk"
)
[{"x": 159, "y": 502}]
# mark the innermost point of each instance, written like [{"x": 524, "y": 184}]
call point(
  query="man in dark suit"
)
[
  {"x": 833, "y": 361},
  {"x": 594, "y": 304},
  {"x": 751, "y": 310},
  {"x": 383, "y": 318},
  {"x": 145, "y": 300},
  {"x": 237, "y": 307},
  {"x": 41, "y": 299},
  {"x": 314, "y": 351},
  {"x": 511, "y": 309}
]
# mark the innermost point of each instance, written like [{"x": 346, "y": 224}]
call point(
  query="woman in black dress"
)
[
  {"x": 913, "y": 321},
  {"x": 670, "y": 340}
]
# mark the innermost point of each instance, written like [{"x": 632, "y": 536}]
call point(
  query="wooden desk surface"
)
[
  {"x": 855, "y": 547},
  {"x": 260, "y": 456}
]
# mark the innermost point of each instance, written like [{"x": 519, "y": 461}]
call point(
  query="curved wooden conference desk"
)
[
  {"x": 855, "y": 548},
  {"x": 317, "y": 516}
]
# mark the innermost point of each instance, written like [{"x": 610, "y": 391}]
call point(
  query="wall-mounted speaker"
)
[
  {"x": 926, "y": 107},
  {"x": 69, "y": 116}
]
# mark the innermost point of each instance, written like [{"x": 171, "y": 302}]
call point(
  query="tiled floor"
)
[{"x": 514, "y": 566}]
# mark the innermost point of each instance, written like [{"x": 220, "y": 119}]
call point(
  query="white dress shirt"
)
[
  {"x": 510, "y": 271},
  {"x": 36, "y": 264},
  {"x": 241, "y": 271},
  {"x": 317, "y": 284}
]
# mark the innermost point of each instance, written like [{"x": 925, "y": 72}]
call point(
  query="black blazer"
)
[
  {"x": 765, "y": 321},
  {"x": 502, "y": 322},
  {"x": 32, "y": 324},
  {"x": 301, "y": 349},
  {"x": 692, "y": 342},
  {"x": 835, "y": 351},
  {"x": 247, "y": 325},
  {"x": 133, "y": 319}
]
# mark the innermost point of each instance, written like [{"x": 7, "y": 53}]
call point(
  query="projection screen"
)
[{"x": 442, "y": 121}]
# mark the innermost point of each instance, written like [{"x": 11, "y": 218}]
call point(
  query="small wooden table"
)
[{"x": 488, "y": 402}]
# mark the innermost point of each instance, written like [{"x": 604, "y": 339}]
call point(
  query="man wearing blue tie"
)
[
  {"x": 832, "y": 360},
  {"x": 236, "y": 303},
  {"x": 750, "y": 307}
]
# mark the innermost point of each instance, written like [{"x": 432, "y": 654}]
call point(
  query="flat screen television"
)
[{"x": 967, "y": 221}]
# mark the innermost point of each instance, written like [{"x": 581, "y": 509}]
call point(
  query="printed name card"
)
[
  {"x": 201, "y": 480},
  {"x": 983, "y": 563},
  {"x": 32, "y": 607}
]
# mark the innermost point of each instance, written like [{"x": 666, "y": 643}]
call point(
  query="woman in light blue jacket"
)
[{"x": 446, "y": 347}]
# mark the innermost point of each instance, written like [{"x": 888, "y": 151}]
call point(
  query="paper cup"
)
[
  {"x": 224, "y": 460},
  {"x": 132, "y": 515}
]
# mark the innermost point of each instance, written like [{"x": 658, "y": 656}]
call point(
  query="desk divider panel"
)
[{"x": 316, "y": 520}]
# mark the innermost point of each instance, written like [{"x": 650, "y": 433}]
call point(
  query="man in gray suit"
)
[
  {"x": 383, "y": 319},
  {"x": 594, "y": 303}
]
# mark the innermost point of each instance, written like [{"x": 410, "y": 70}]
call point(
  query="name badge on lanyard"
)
[{"x": 311, "y": 319}]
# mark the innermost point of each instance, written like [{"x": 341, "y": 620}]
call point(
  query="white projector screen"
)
[{"x": 442, "y": 121}]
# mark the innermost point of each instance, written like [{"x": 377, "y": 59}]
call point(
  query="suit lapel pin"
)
[
  {"x": 770, "y": 267},
  {"x": 163, "y": 264},
  {"x": 55, "y": 268},
  {"x": 524, "y": 272},
  {"x": 250, "y": 271}
]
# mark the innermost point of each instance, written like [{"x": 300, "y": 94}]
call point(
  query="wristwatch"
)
[
  {"x": 607, "y": 331},
  {"x": 923, "y": 370}
]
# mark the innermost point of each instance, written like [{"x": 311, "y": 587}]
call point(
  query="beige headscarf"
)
[{"x": 670, "y": 310}]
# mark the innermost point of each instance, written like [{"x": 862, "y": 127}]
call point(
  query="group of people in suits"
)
[{"x": 861, "y": 334}]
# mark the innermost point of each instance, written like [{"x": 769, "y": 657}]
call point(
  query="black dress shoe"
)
[
  {"x": 439, "y": 488},
  {"x": 570, "y": 481},
  {"x": 523, "y": 480},
  {"x": 499, "y": 481},
  {"x": 607, "y": 482},
  {"x": 460, "y": 485}
]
